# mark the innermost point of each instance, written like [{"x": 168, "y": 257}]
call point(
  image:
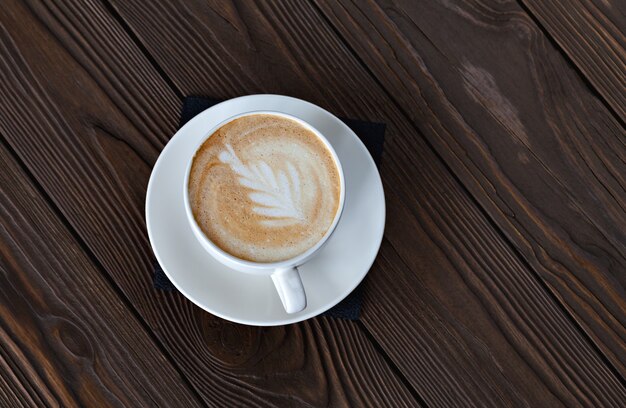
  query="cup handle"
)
[{"x": 290, "y": 290}]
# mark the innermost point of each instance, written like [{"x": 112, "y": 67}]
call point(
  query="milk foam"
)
[{"x": 264, "y": 188}]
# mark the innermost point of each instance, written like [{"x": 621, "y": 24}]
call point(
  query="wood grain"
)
[
  {"x": 522, "y": 344},
  {"x": 518, "y": 127},
  {"x": 591, "y": 33},
  {"x": 14, "y": 393},
  {"x": 66, "y": 338},
  {"x": 68, "y": 75}
]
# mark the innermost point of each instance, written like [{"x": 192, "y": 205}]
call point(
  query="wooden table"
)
[{"x": 501, "y": 278}]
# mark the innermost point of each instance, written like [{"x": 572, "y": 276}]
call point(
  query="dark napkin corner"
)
[{"x": 371, "y": 134}]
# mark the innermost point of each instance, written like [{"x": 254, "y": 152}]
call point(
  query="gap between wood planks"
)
[
  {"x": 394, "y": 368},
  {"x": 94, "y": 260},
  {"x": 595, "y": 92},
  {"x": 109, "y": 7},
  {"x": 484, "y": 212}
]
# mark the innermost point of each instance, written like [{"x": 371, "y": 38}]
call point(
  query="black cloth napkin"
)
[{"x": 371, "y": 134}]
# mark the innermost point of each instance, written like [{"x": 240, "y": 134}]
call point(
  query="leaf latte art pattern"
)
[{"x": 276, "y": 196}]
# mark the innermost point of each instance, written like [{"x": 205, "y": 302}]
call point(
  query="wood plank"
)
[
  {"x": 516, "y": 342},
  {"x": 542, "y": 155},
  {"x": 591, "y": 33},
  {"x": 66, "y": 338},
  {"x": 83, "y": 105}
]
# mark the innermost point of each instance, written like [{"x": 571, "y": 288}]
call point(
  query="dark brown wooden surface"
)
[
  {"x": 500, "y": 279},
  {"x": 592, "y": 34},
  {"x": 66, "y": 337},
  {"x": 540, "y": 153}
]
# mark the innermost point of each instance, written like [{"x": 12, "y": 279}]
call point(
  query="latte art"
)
[
  {"x": 275, "y": 196},
  {"x": 264, "y": 188}
]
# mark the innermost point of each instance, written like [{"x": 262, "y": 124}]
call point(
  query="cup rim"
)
[{"x": 264, "y": 267}]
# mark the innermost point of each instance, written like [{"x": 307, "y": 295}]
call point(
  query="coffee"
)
[{"x": 264, "y": 188}]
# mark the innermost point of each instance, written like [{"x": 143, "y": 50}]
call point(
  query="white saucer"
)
[{"x": 249, "y": 299}]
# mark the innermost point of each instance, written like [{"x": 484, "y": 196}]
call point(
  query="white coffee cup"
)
[{"x": 284, "y": 274}]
